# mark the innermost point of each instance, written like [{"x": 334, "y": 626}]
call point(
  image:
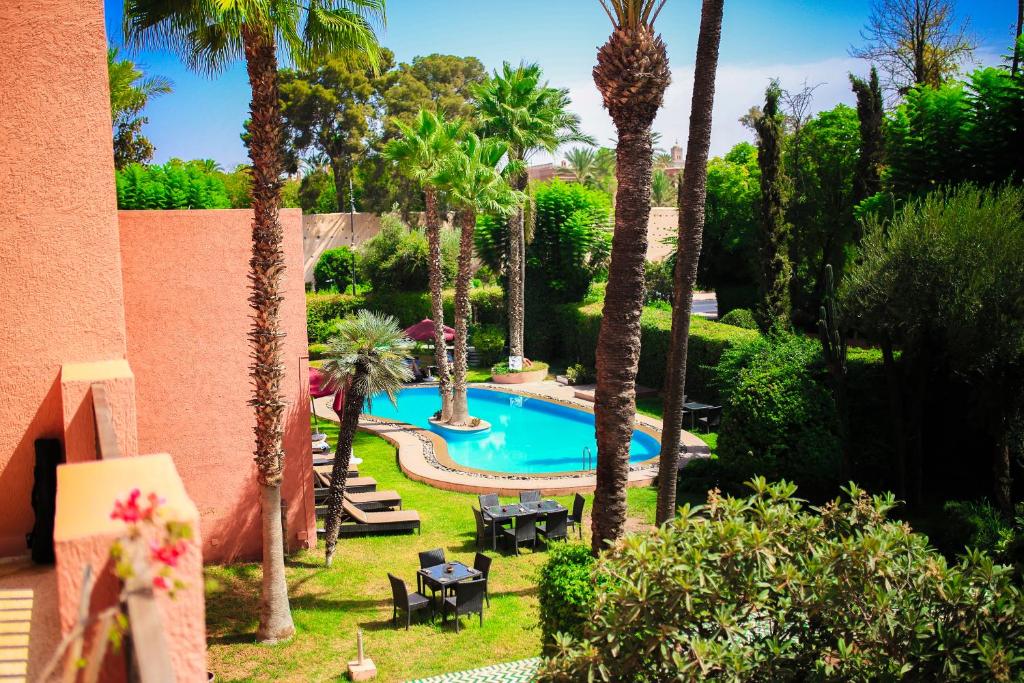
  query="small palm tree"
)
[
  {"x": 519, "y": 108},
  {"x": 473, "y": 184},
  {"x": 583, "y": 164},
  {"x": 419, "y": 153},
  {"x": 366, "y": 358},
  {"x": 632, "y": 74},
  {"x": 662, "y": 189},
  {"x": 208, "y": 35}
]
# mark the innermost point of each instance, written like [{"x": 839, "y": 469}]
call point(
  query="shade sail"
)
[{"x": 424, "y": 331}]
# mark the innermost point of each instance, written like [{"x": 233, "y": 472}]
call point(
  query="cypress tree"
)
[
  {"x": 773, "y": 307},
  {"x": 867, "y": 180}
]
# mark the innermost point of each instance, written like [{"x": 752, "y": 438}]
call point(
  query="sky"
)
[{"x": 793, "y": 40}]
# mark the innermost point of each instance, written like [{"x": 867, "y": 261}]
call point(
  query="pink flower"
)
[
  {"x": 128, "y": 510},
  {"x": 161, "y": 583},
  {"x": 168, "y": 553}
]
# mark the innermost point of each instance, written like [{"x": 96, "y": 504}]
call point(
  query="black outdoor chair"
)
[
  {"x": 711, "y": 419},
  {"x": 429, "y": 558},
  {"x": 529, "y": 496},
  {"x": 468, "y": 599},
  {"x": 404, "y": 600},
  {"x": 482, "y": 564},
  {"x": 553, "y": 528},
  {"x": 525, "y": 530},
  {"x": 487, "y": 500},
  {"x": 484, "y": 527},
  {"x": 576, "y": 518}
]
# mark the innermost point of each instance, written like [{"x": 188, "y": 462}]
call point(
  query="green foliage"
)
[
  {"x": 130, "y": 92},
  {"x": 316, "y": 192},
  {"x": 761, "y": 588},
  {"x": 663, "y": 189},
  {"x": 565, "y": 590},
  {"x": 580, "y": 374},
  {"x": 659, "y": 281},
  {"x": 489, "y": 342},
  {"x": 780, "y": 420},
  {"x": 502, "y": 368},
  {"x": 396, "y": 258},
  {"x": 175, "y": 185},
  {"x": 238, "y": 186},
  {"x": 335, "y": 269},
  {"x": 739, "y": 317},
  {"x": 323, "y": 309},
  {"x": 317, "y": 351}
]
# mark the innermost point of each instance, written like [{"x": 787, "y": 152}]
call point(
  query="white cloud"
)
[{"x": 737, "y": 88}]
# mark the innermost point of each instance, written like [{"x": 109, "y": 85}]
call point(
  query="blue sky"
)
[{"x": 795, "y": 40}]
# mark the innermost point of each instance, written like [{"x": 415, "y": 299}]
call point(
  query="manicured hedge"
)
[
  {"x": 566, "y": 590},
  {"x": 577, "y": 328}
]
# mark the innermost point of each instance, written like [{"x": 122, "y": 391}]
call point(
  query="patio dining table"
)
[
  {"x": 441, "y": 578},
  {"x": 694, "y": 408},
  {"x": 500, "y": 514}
]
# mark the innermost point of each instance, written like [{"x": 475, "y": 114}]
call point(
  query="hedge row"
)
[
  {"x": 578, "y": 326},
  {"x": 323, "y": 308}
]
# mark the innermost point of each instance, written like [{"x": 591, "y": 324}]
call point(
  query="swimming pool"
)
[{"x": 527, "y": 435}]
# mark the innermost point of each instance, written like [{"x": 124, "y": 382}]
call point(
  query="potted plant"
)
[{"x": 531, "y": 371}]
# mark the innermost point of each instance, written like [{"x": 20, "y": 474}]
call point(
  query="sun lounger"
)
[
  {"x": 327, "y": 468},
  {"x": 371, "y": 501},
  {"x": 360, "y": 522}
]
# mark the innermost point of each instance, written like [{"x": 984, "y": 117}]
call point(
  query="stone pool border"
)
[{"x": 423, "y": 456}]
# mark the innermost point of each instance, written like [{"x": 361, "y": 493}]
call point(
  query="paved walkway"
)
[
  {"x": 511, "y": 672},
  {"x": 29, "y": 628}
]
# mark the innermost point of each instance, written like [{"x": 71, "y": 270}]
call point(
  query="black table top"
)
[
  {"x": 437, "y": 573},
  {"x": 510, "y": 510},
  {"x": 695, "y": 405}
]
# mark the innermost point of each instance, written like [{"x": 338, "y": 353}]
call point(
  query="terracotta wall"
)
[
  {"x": 664, "y": 222},
  {"x": 187, "y": 310},
  {"x": 61, "y": 297}
]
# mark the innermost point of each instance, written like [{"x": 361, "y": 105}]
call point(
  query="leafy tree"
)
[
  {"x": 238, "y": 185},
  {"x": 773, "y": 309},
  {"x": 528, "y": 115},
  {"x": 632, "y": 74},
  {"x": 175, "y": 185},
  {"x": 942, "y": 284},
  {"x": 208, "y": 37},
  {"x": 761, "y": 588},
  {"x": 336, "y": 268},
  {"x": 871, "y": 155},
  {"x": 130, "y": 92},
  {"x": 365, "y": 359},
  {"x": 663, "y": 189},
  {"x": 318, "y": 192},
  {"x": 692, "y": 196},
  {"x": 470, "y": 177},
  {"x": 916, "y": 42}
]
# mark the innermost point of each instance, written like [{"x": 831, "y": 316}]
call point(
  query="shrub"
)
[
  {"x": 488, "y": 304},
  {"x": 324, "y": 308},
  {"x": 739, "y": 317},
  {"x": 658, "y": 278},
  {"x": 565, "y": 590},
  {"x": 580, "y": 374},
  {"x": 503, "y": 369},
  {"x": 762, "y": 588},
  {"x": 175, "y": 185},
  {"x": 779, "y": 419},
  {"x": 489, "y": 342},
  {"x": 396, "y": 258},
  {"x": 335, "y": 269},
  {"x": 318, "y": 351}
]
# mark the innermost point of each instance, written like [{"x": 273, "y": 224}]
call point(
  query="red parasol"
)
[{"x": 424, "y": 331}]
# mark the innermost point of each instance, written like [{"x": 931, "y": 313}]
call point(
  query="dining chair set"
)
[
  {"x": 523, "y": 522},
  {"x": 463, "y": 589}
]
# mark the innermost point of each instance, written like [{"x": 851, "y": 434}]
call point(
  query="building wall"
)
[
  {"x": 663, "y": 223},
  {"x": 61, "y": 298},
  {"x": 187, "y": 310}
]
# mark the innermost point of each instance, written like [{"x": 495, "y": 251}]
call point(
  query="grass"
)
[
  {"x": 651, "y": 406},
  {"x": 328, "y": 605}
]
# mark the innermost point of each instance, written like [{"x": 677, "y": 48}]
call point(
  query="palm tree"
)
[
  {"x": 208, "y": 35},
  {"x": 366, "y": 358},
  {"x": 632, "y": 74},
  {"x": 420, "y": 151},
  {"x": 692, "y": 197},
  {"x": 583, "y": 164},
  {"x": 473, "y": 184},
  {"x": 515, "y": 106},
  {"x": 661, "y": 188}
]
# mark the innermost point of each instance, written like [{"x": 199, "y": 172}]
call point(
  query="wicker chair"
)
[
  {"x": 525, "y": 530},
  {"x": 529, "y": 496},
  {"x": 404, "y": 600},
  {"x": 554, "y": 527},
  {"x": 576, "y": 518},
  {"x": 482, "y": 564},
  {"x": 468, "y": 599}
]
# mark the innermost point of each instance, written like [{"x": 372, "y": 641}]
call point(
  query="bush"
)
[
  {"x": 335, "y": 269},
  {"x": 396, "y": 258},
  {"x": 764, "y": 589},
  {"x": 739, "y": 317},
  {"x": 779, "y": 419},
  {"x": 566, "y": 590},
  {"x": 488, "y": 304},
  {"x": 658, "y": 278},
  {"x": 489, "y": 342},
  {"x": 175, "y": 185},
  {"x": 318, "y": 351},
  {"x": 580, "y": 374},
  {"x": 503, "y": 369},
  {"x": 324, "y": 308}
]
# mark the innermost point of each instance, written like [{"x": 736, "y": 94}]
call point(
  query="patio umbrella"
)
[
  {"x": 424, "y": 331},
  {"x": 318, "y": 387}
]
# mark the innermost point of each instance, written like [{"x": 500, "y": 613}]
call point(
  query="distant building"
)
[
  {"x": 560, "y": 170},
  {"x": 675, "y": 167}
]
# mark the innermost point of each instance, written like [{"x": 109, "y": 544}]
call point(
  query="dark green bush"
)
[
  {"x": 335, "y": 268},
  {"x": 488, "y": 304},
  {"x": 764, "y": 589},
  {"x": 318, "y": 351},
  {"x": 566, "y": 590},
  {"x": 489, "y": 342},
  {"x": 323, "y": 308},
  {"x": 396, "y": 258},
  {"x": 658, "y": 278},
  {"x": 580, "y": 374},
  {"x": 739, "y": 317},
  {"x": 779, "y": 419}
]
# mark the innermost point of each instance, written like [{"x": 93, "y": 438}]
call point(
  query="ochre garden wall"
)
[
  {"x": 61, "y": 298},
  {"x": 187, "y": 312}
]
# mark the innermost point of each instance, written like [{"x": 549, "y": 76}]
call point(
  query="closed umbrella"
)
[{"x": 318, "y": 387}]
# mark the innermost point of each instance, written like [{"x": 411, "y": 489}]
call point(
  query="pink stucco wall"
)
[
  {"x": 187, "y": 311},
  {"x": 61, "y": 295}
]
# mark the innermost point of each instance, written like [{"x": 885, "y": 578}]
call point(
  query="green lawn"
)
[{"x": 329, "y": 604}]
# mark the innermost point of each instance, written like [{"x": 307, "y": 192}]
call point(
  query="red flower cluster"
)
[
  {"x": 131, "y": 512},
  {"x": 168, "y": 553}
]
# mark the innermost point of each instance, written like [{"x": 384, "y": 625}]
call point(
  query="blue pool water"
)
[{"x": 527, "y": 435}]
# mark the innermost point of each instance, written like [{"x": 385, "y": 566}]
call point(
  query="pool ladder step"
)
[{"x": 588, "y": 458}]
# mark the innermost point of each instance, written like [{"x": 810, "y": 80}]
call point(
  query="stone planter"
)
[{"x": 520, "y": 377}]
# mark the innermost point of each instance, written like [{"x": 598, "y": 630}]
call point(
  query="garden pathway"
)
[{"x": 521, "y": 671}]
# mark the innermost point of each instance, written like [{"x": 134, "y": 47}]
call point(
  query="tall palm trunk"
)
[
  {"x": 265, "y": 269},
  {"x": 460, "y": 403},
  {"x": 516, "y": 274},
  {"x": 692, "y": 195},
  {"x": 351, "y": 411},
  {"x": 444, "y": 380},
  {"x": 632, "y": 74}
]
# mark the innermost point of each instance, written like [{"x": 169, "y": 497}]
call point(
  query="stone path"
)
[{"x": 510, "y": 672}]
